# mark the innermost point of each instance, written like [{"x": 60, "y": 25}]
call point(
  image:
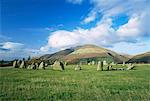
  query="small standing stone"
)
[
  {"x": 109, "y": 67},
  {"x": 105, "y": 63},
  {"x": 41, "y": 66},
  {"x": 130, "y": 66},
  {"x": 36, "y": 65},
  {"x": 33, "y": 66},
  {"x": 18, "y": 63},
  {"x": 93, "y": 62},
  {"x": 46, "y": 64},
  {"x": 78, "y": 67},
  {"x": 22, "y": 65},
  {"x": 123, "y": 64},
  {"x": 100, "y": 66},
  {"x": 15, "y": 64},
  {"x": 29, "y": 67}
]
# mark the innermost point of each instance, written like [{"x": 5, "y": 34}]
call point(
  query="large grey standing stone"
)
[
  {"x": 15, "y": 64},
  {"x": 58, "y": 65},
  {"x": 78, "y": 67},
  {"x": 41, "y": 66},
  {"x": 22, "y": 65}
]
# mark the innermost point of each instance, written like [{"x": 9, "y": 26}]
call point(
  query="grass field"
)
[{"x": 85, "y": 85}]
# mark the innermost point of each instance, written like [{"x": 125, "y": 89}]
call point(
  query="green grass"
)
[{"x": 85, "y": 85}]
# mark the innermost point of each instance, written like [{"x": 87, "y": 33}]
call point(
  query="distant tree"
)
[
  {"x": 29, "y": 58},
  {"x": 2, "y": 61},
  {"x": 23, "y": 59}
]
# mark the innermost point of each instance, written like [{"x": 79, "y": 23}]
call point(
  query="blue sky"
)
[{"x": 36, "y": 27}]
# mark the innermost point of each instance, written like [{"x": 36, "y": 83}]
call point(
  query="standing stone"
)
[
  {"x": 15, "y": 64},
  {"x": 89, "y": 63},
  {"x": 22, "y": 65},
  {"x": 29, "y": 67},
  {"x": 105, "y": 63},
  {"x": 109, "y": 67},
  {"x": 78, "y": 67},
  {"x": 112, "y": 63},
  {"x": 46, "y": 64},
  {"x": 36, "y": 65},
  {"x": 58, "y": 65},
  {"x": 65, "y": 63},
  {"x": 130, "y": 66},
  {"x": 41, "y": 66},
  {"x": 18, "y": 63},
  {"x": 93, "y": 62},
  {"x": 100, "y": 66},
  {"x": 33, "y": 66},
  {"x": 123, "y": 64}
]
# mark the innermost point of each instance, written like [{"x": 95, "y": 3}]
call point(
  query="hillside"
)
[
  {"x": 57, "y": 55},
  {"x": 92, "y": 52},
  {"x": 141, "y": 58},
  {"x": 85, "y": 53}
]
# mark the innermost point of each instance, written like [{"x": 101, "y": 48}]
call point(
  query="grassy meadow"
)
[{"x": 69, "y": 85}]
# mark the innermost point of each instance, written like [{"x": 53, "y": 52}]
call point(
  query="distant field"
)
[{"x": 85, "y": 85}]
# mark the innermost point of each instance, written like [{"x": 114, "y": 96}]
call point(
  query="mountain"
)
[
  {"x": 141, "y": 58},
  {"x": 57, "y": 55},
  {"x": 92, "y": 52},
  {"x": 86, "y": 53}
]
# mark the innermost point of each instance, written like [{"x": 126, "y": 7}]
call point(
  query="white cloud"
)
[
  {"x": 12, "y": 45},
  {"x": 109, "y": 8},
  {"x": 131, "y": 29},
  {"x": 13, "y": 50},
  {"x": 91, "y": 17},
  {"x": 103, "y": 34},
  {"x": 131, "y": 48},
  {"x": 75, "y": 1}
]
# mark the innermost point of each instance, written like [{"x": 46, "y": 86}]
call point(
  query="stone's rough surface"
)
[
  {"x": 58, "y": 65},
  {"x": 41, "y": 66},
  {"x": 78, "y": 67},
  {"x": 15, "y": 64}
]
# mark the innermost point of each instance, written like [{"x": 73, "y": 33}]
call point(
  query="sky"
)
[{"x": 37, "y": 27}]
